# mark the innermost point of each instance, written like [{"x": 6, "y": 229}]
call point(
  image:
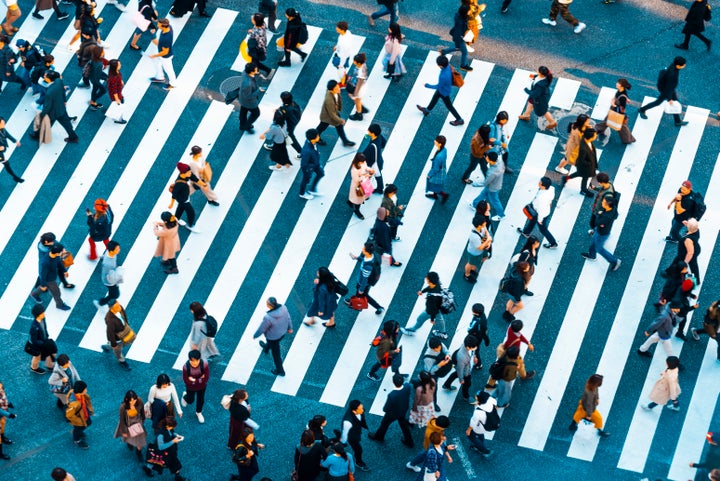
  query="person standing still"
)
[
  {"x": 196, "y": 373},
  {"x": 275, "y": 324},
  {"x": 163, "y": 59},
  {"x": 667, "y": 83},
  {"x": 697, "y": 15},
  {"x": 249, "y": 99}
]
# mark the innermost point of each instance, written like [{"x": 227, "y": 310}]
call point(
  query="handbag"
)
[
  {"x": 367, "y": 187},
  {"x": 64, "y": 388},
  {"x": 135, "y": 430},
  {"x": 68, "y": 259},
  {"x": 359, "y": 303},
  {"x": 530, "y": 212},
  {"x": 674, "y": 108},
  {"x": 115, "y": 111},
  {"x": 336, "y": 61},
  {"x": 127, "y": 335},
  {"x": 429, "y": 476},
  {"x": 359, "y": 191},
  {"x": 468, "y": 37},
  {"x": 615, "y": 120},
  {"x": 139, "y": 20},
  {"x": 225, "y": 401},
  {"x": 457, "y": 78},
  {"x": 155, "y": 456}
]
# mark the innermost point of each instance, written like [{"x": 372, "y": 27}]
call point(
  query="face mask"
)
[{"x": 393, "y": 196}]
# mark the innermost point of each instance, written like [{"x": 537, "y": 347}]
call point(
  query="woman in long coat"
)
[
  {"x": 666, "y": 388},
  {"x": 168, "y": 241},
  {"x": 698, "y": 13},
  {"x": 359, "y": 172},
  {"x": 435, "y": 183},
  {"x": 131, "y": 413}
]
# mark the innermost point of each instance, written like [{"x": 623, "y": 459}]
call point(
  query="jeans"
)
[
  {"x": 424, "y": 316},
  {"x": 273, "y": 345},
  {"x": 676, "y": 230},
  {"x": 248, "y": 116},
  {"x": 186, "y": 207},
  {"x": 394, "y": 13},
  {"x": 190, "y": 398},
  {"x": 542, "y": 226},
  {"x": 598, "y": 247},
  {"x": 503, "y": 392},
  {"x": 461, "y": 47},
  {"x": 493, "y": 198},
  {"x": 98, "y": 90},
  {"x": 340, "y": 130},
  {"x": 307, "y": 174},
  {"x": 657, "y": 102},
  {"x": 112, "y": 293},
  {"x": 448, "y": 103},
  {"x": 478, "y": 440}
]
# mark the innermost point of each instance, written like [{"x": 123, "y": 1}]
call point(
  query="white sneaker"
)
[
  {"x": 407, "y": 332},
  {"x": 181, "y": 223},
  {"x": 200, "y": 417},
  {"x": 478, "y": 183},
  {"x": 497, "y": 218},
  {"x": 579, "y": 28},
  {"x": 298, "y": 156},
  {"x": 315, "y": 193},
  {"x": 645, "y": 407},
  {"x": 547, "y": 21},
  {"x": 183, "y": 403},
  {"x": 469, "y": 49},
  {"x": 417, "y": 469},
  {"x": 561, "y": 170},
  {"x": 306, "y": 196},
  {"x": 274, "y": 167}
]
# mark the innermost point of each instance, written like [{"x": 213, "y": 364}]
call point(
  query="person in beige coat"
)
[
  {"x": 330, "y": 114},
  {"x": 572, "y": 148},
  {"x": 168, "y": 241},
  {"x": 201, "y": 169},
  {"x": 359, "y": 173},
  {"x": 667, "y": 388}
]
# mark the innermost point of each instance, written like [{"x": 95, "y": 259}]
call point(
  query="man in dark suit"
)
[
  {"x": 586, "y": 163},
  {"x": 396, "y": 409},
  {"x": 54, "y": 106},
  {"x": 666, "y": 85}
]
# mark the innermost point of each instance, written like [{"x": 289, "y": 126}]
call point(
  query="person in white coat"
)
[
  {"x": 667, "y": 388},
  {"x": 542, "y": 204},
  {"x": 343, "y": 50}
]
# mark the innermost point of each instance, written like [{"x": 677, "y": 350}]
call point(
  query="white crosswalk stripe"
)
[{"x": 531, "y": 158}]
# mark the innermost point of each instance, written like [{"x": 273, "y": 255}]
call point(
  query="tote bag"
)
[
  {"x": 615, "y": 120},
  {"x": 139, "y": 20}
]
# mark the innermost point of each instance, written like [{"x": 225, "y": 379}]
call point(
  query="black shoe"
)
[
  {"x": 375, "y": 438},
  {"x": 59, "y": 404},
  {"x": 573, "y": 426},
  {"x": 603, "y": 434},
  {"x": 681, "y": 123},
  {"x": 62, "y": 16},
  {"x": 456, "y": 123},
  {"x": 587, "y": 256},
  {"x": 264, "y": 346},
  {"x": 356, "y": 116},
  {"x": 37, "y": 15},
  {"x": 19, "y": 180},
  {"x": 644, "y": 353},
  {"x": 467, "y": 68},
  {"x": 709, "y": 45},
  {"x": 365, "y": 110},
  {"x": 34, "y": 136},
  {"x": 681, "y": 46},
  {"x": 214, "y": 202},
  {"x": 277, "y": 373},
  {"x": 422, "y": 109},
  {"x": 283, "y": 63},
  {"x": 528, "y": 293},
  {"x": 148, "y": 471},
  {"x": 520, "y": 231},
  {"x": 348, "y": 143},
  {"x": 125, "y": 366},
  {"x": 587, "y": 193},
  {"x": 680, "y": 335},
  {"x": 362, "y": 467},
  {"x": 550, "y": 246},
  {"x": 642, "y": 114},
  {"x": 509, "y": 171},
  {"x": 72, "y": 140}
]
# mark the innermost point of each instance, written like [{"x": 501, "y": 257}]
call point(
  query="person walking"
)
[
  {"x": 479, "y": 145},
  {"x": 474, "y": 21},
  {"x": 180, "y": 193},
  {"x": 245, "y": 456},
  {"x": 435, "y": 455},
  {"x": 167, "y": 442},
  {"x": 435, "y": 181},
  {"x": 99, "y": 226},
  {"x": 492, "y": 187},
  {"x": 276, "y": 137},
  {"x": 368, "y": 275},
  {"x": 459, "y": 34},
  {"x": 53, "y": 107},
  {"x": 130, "y": 428},
  {"x": 47, "y": 5},
  {"x": 62, "y": 380},
  {"x": 325, "y": 299},
  {"x": 481, "y": 422},
  {"x": 685, "y": 205},
  {"x": 118, "y": 332},
  {"x": 360, "y": 174},
  {"x": 539, "y": 97},
  {"x": 396, "y": 409},
  {"x": 587, "y": 406},
  {"x": 249, "y": 99},
  {"x": 604, "y": 219},
  {"x": 355, "y": 85},
  {"x": 423, "y": 402},
  {"x": 383, "y": 240},
  {"x": 618, "y": 104},
  {"x": 50, "y": 265},
  {"x": 499, "y": 140},
  {"x": 292, "y": 37},
  {"x": 168, "y": 241},
  {"x": 330, "y": 114},
  {"x": 257, "y": 43},
  {"x": 435, "y": 425},
  {"x": 148, "y": 11},
  {"x": 339, "y": 464},
  {"x": 698, "y": 13},
  {"x": 307, "y": 458},
  {"x": 433, "y": 301},
  {"x": 96, "y": 76},
  {"x": 4, "y": 137},
  {"x": 586, "y": 163},
  {"x": 509, "y": 361},
  {"x": 202, "y": 334},
  {"x": 13, "y": 13},
  {"x": 438, "y": 363},
  {"x": 373, "y": 154},
  {"x": 201, "y": 169},
  {"x": 442, "y": 91},
  {"x": 5, "y": 413},
  {"x": 667, "y": 388},
  {"x": 562, "y": 8},
  {"x": 342, "y": 52},
  {"x": 389, "y": 7},
  {"x": 7, "y": 63},
  {"x": 572, "y": 146},
  {"x": 478, "y": 249},
  {"x": 79, "y": 412},
  {"x": 163, "y": 58},
  {"x": 196, "y": 373},
  {"x": 114, "y": 87},
  {"x": 239, "y": 416},
  {"x": 275, "y": 324},
  {"x": 464, "y": 357},
  {"x": 689, "y": 247},
  {"x": 394, "y": 210},
  {"x": 711, "y": 325},
  {"x": 353, "y": 423},
  {"x": 387, "y": 352},
  {"x": 516, "y": 287},
  {"x": 540, "y": 213},
  {"x": 310, "y": 164},
  {"x": 269, "y": 9},
  {"x": 393, "y": 61},
  {"x": 661, "y": 330},
  {"x": 667, "y": 83},
  {"x": 292, "y": 113},
  {"x": 478, "y": 327},
  {"x": 40, "y": 346}
]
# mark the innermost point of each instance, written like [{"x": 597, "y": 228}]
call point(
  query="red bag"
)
[
  {"x": 529, "y": 211},
  {"x": 359, "y": 303}
]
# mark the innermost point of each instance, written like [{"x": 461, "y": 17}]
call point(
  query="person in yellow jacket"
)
[{"x": 78, "y": 413}]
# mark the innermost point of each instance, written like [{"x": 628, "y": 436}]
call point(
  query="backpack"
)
[
  {"x": 303, "y": 34},
  {"x": 453, "y": 357},
  {"x": 508, "y": 279},
  {"x": 378, "y": 338},
  {"x": 448, "y": 304},
  {"x": 375, "y": 272},
  {"x": 254, "y": 49},
  {"x": 497, "y": 368},
  {"x": 211, "y": 326},
  {"x": 700, "y": 207},
  {"x": 240, "y": 456},
  {"x": 292, "y": 114},
  {"x": 457, "y": 78},
  {"x": 444, "y": 370},
  {"x": 202, "y": 367},
  {"x": 661, "y": 79},
  {"x": 492, "y": 420},
  {"x": 340, "y": 288}
]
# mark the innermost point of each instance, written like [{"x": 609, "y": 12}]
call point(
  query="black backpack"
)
[
  {"x": 340, "y": 288},
  {"x": 510, "y": 277},
  {"x": 700, "y": 207},
  {"x": 375, "y": 272},
  {"x": 492, "y": 420},
  {"x": 211, "y": 326},
  {"x": 254, "y": 49},
  {"x": 444, "y": 370},
  {"x": 303, "y": 34},
  {"x": 497, "y": 368}
]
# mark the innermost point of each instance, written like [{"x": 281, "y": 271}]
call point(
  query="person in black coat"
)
[
  {"x": 667, "y": 83},
  {"x": 396, "y": 409},
  {"x": 54, "y": 106},
  {"x": 460, "y": 26},
  {"x": 383, "y": 239},
  {"x": 308, "y": 455},
  {"x": 292, "y": 34},
  {"x": 539, "y": 97},
  {"x": 352, "y": 425},
  {"x": 586, "y": 163},
  {"x": 695, "y": 19}
]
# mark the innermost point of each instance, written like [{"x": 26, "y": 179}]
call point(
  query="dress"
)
[
  {"x": 323, "y": 301},
  {"x": 423, "y": 407}
]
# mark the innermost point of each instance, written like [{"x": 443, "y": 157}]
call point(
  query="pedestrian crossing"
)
[{"x": 304, "y": 248}]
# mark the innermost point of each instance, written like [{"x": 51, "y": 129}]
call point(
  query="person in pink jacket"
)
[
  {"x": 168, "y": 241},
  {"x": 667, "y": 388}
]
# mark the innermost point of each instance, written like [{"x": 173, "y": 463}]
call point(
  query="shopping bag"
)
[
  {"x": 359, "y": 303},
  {"x": 615, "y": 120},
  {"x": 674, "y": 108}
]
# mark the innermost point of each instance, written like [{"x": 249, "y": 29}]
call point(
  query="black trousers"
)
[
  {"x": 465, "y": 386},
  {"x": 307, "y": 175},
  {"x": 583, "y": 182},
  {"x": 357, "y": 450},
  {"x": 8, "y": 169},
  {"x": 340, "y": 130},
  {"x": 190, "y": 398},
  {"x": 474, "y": 162},
  {"x": 657, "y": 102},
  {"x": 448, "y": 103},
  {"x": 404, "y": 427},
  {"x": 112, "y": 293},
  {"x": 186, "y": 207},
  {"x": 699, "y": 35},
  {"x": 247, "y": 117},
  {"x": 371, "y": 301},
  {"x": 260, "y": 65},
  {"x": 296, "y": 50},
  {"x": 295, "y": 143},
  {"x": 273, "y": 345}
]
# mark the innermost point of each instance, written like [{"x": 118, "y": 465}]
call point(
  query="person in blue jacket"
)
[{"x": 442, "y": 91}]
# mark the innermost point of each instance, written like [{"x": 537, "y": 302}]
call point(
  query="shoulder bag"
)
[
  {"x": 127, "y": 335},
  {"x": 135, "y": 430},
  {"x": 529, "y": 211},
  {"x": 139, "y": 20}
]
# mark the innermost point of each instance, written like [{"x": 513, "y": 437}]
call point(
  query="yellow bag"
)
[
  {"x": 244, "y": 51},
  {"x": 127, "y": 335},
  {"x": 615, "y": 120},
  {"x": 280, "y": 44}
]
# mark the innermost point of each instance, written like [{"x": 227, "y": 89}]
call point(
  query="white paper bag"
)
[
  {"x": 115, "y": 111},
  {"x": 673, "y": 108}
]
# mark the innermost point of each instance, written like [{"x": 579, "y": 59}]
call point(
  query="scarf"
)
[{"x": 84, "y": 413}]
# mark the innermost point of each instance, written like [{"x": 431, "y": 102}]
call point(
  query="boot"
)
[
  {"x": 178, "y": 477},
  {"x": 171, "y": 267},
  {"x": 3, "y": 455},
  {"x": 573, "y": 426},
  {"x": 139, "y": 454}
]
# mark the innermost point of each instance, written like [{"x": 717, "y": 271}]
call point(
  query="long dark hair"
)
[
  {"x": 425, "y": 381},
  {"x": 529, "y": 243},
  {"x": 129, "y": 396},
  {"x": 484, "y": 133},
  {"x": 546, "y": 73},
  {"x": 395, "y": 33},
  {"x": 358, "y": 159},
  {"x": 198, "y": 310},
  {"x": 113, "y": 67},
  {"x": 327, "y": 278},
  {"x": 580, "y": 122}
]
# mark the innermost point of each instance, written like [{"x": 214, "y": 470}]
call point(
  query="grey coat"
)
[{"x": 249, "y": 93}]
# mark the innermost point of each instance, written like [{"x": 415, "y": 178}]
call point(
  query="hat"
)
[
  {"x": 20, "y": 43},
  {"x": 182, "y": 167},
  {"x": 442, "y": 422},
  {"x": 687, "y": 184}
]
